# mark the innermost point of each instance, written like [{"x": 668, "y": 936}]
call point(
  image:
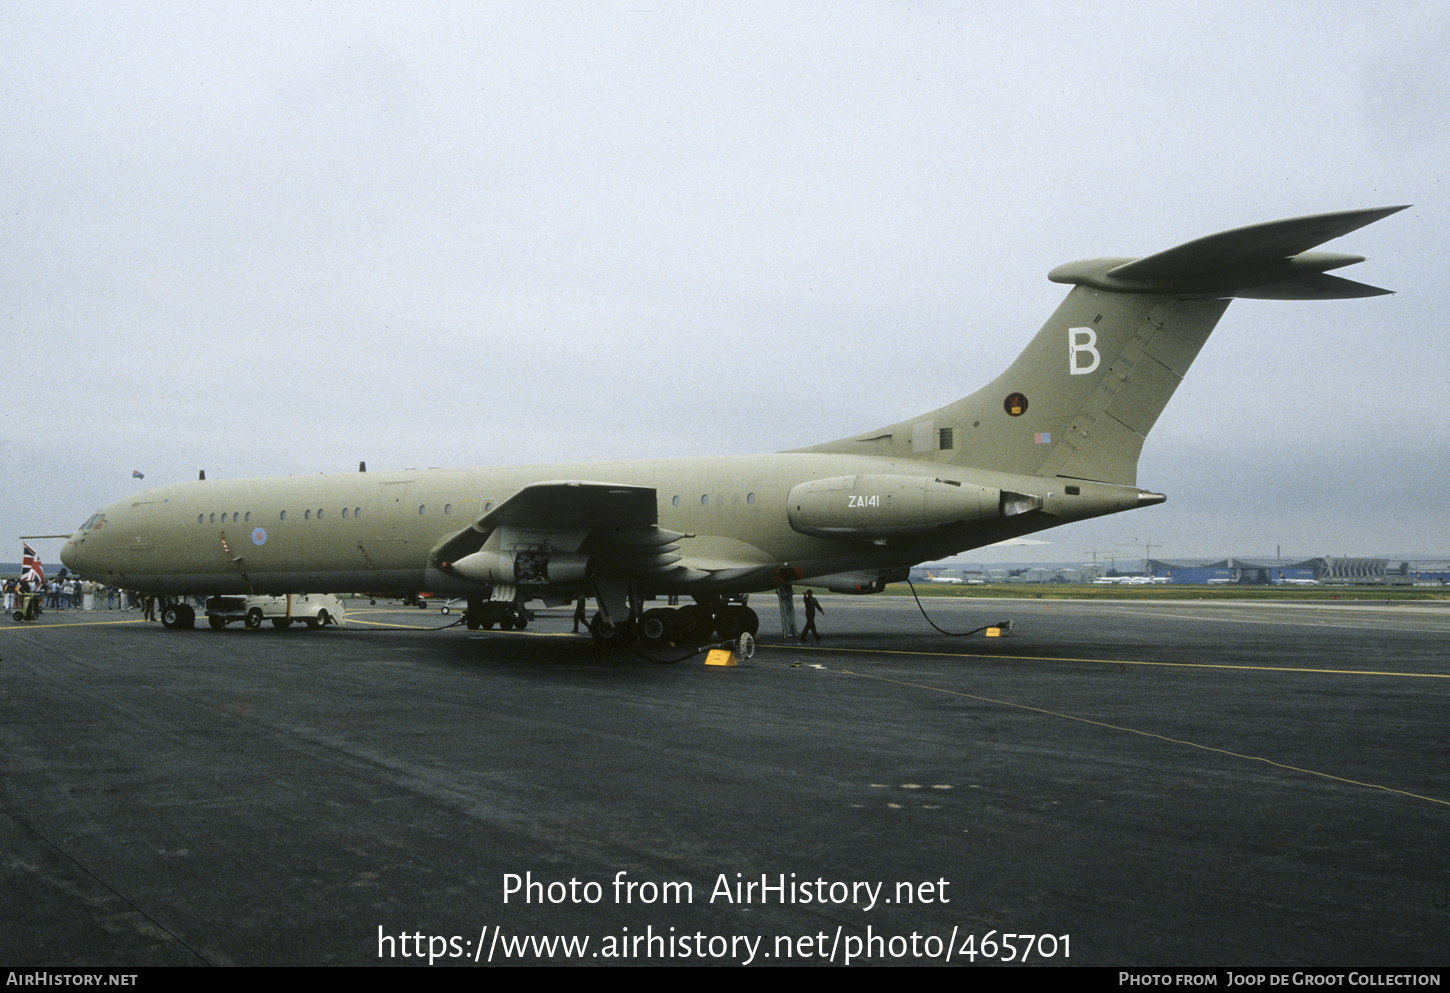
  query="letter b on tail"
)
[{"x": 1081, "y": 340}]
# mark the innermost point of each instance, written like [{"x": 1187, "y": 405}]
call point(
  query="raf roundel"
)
[
  {"x": 1015, "y": 404},
  {"x": 259, "y": 536}
]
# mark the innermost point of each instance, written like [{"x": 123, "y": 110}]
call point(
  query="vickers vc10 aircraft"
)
[{"x": 1054, "y": 439}]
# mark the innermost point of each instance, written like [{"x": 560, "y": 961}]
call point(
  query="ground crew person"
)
[{"x": 812, "y": 605}]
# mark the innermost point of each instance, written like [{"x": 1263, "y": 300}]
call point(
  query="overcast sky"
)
[{"x": 278, "y": 238}]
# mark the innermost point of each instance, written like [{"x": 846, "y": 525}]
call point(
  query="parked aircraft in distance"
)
[{"x": 1054, "y": 439}]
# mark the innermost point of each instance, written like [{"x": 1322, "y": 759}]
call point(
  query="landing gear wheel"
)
[
  {"x": 694, "y": 624},
  {"x": 729, "y": 623},
  {"x": 520, "y": 622},
  {"x": 470, "y": 622},
  {"x": 253, "y": 619},
  {"x": 658, "y": 626},
  {"x": 607, "y": 634},
  {"x": 178, "y": 617},
  {"x": 752, "y": 621}
]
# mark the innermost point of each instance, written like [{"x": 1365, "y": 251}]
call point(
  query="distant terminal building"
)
[
  {"x": 1383, "y": 572},
  {"x": 1235, "y": 571},
  {"x": 1434, "y": 572},
  {"x": 1324, "y": 571}
]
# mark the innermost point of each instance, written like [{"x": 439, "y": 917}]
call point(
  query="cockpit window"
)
[{"x": 95, "y": 521}]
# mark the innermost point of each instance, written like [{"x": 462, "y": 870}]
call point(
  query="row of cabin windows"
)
[
  {"x": 705, "y": 499},
  {"x": 448, "y": 508},
  {"x": 238, "y": 517}
]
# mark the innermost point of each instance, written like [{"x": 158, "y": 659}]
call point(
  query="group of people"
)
[{"x": 67, "y": 594}]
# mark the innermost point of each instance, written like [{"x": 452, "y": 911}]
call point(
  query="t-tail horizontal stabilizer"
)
[{"x": 1268, "y": 261}]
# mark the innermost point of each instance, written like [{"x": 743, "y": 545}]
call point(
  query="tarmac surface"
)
[{"x": 1155, "y": 783}]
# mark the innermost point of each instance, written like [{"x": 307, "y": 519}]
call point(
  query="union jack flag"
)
[{"x": 34, "y": 571}]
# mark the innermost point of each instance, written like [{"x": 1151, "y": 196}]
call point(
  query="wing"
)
[{"x": 581, "y": 533}]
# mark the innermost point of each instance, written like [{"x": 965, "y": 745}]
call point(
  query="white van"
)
[{"x": 313, "y": 609}]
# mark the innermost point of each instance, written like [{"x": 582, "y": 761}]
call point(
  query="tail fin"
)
[{"x": 1081, "y": 398}]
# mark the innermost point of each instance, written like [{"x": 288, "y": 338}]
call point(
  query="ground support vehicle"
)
[{"x": 313, "y": 609}]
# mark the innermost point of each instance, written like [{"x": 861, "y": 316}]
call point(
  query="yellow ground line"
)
[
  {"x": 32, "y": 625},
  {"x": 1148, "y": 734},
  {"x": 350, "y": 619},
  {"x": 1177, "y": 665}
]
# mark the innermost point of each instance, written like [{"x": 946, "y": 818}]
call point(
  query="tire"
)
[
  {"x": 171, "y": 617},
  {"x": 217, "y": 623},
  {"x": 695, "y": 624},
  {"x": 313, "y": 623},
  {"x": 658, "y": 626},
  {"x": 443, "y": 609},
  {"x": 281, "y": 623},
  {"x": 605, "y": 633},
  {"x": 253, "y": 619},
  {"x": 752, "y": 621}
]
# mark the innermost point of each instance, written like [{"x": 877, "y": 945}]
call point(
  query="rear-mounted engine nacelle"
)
[{"x": 886, "y": 506}]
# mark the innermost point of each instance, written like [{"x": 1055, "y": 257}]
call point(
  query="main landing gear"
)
[{"x": 692, "y": 625}]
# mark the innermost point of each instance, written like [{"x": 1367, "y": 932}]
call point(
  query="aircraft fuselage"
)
[{"x": 373, "y": 531}]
